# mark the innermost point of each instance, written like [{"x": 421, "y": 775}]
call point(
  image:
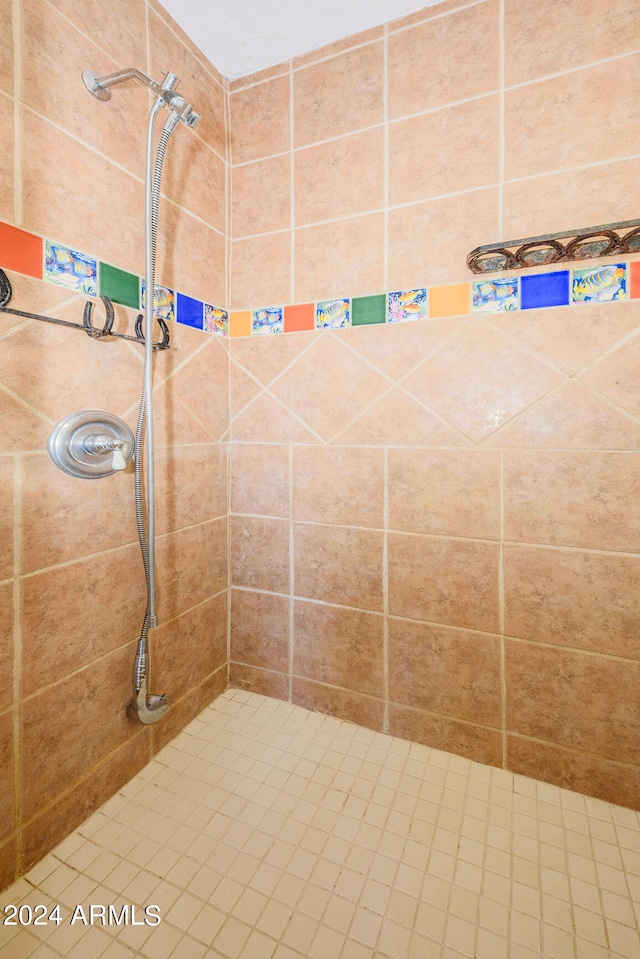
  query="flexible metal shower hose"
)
[{"x": 144, "y": 414}]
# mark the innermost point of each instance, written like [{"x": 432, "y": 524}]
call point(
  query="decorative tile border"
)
[{"x": 47, "y": 259}]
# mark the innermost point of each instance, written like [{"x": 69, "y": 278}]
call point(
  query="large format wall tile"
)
[
  {"x": 6, "y": 644},
  {"x": 338, "y": 485},
  {"x": 444, "y": 670},
  {"x": 260, "y": 120},
  {"x": 104, "y": 609},
  {"x": 260, "y": 553},
  {"x": 573, "y": 499},
  {"x": 553, "y": 107},
  {"x": 445, "y": 492},
  {"x": 339, "y": 647},
  {"x": 418, "y": 166},
  {"x": 440, "y": 732},
  {"x": 419, "y": 81},
  {"x": 448, "y": 581},
  {"x": 260, "y": 630},
  {"x": 7, "y": 799},
  {"x": 54, "y": 48},
  {"x": 338, "y": 564},
  {"x": 7, "y": 52},
  {"x": 547, "y": 692},
  {"x": 88, "y": 713},
  {"x": 7, "y": 196},
  {"x": 587, "y": 600},
  {"x": 339, "y": 95},
  {"x": 537, "y": 37}
]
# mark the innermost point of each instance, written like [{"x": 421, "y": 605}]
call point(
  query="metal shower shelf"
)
[
  {"x": 96, "y": 333},
  {"x": 612, "y": 239}
]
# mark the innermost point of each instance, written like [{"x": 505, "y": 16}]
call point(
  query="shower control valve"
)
[
  {"x": 99, "y": 444},
  {"x": 91, "y": 444}
]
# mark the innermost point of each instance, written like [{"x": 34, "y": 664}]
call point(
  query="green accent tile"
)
[
  {"x": 368, "y": 310},
  {"x": 119, "y": 286}
]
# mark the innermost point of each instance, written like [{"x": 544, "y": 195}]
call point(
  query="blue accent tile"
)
[
  {"x": 544, "y": 289},
  {"x": 190, "y": 311}
]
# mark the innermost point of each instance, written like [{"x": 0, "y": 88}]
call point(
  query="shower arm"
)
[{"x": 100, "y": 87}]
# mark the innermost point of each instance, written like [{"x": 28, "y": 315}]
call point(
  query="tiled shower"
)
[{"x": 429, "y": 528}]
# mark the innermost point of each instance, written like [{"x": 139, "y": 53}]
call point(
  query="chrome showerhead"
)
[{"x": 100, "y": 87}]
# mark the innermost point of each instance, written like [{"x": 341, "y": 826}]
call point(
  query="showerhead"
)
[{"x": 100, "y": 87}]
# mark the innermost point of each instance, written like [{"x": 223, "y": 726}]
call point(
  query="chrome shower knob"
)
[{"x": 91, "y": 444}]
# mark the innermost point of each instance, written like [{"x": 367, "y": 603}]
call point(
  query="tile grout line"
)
[
  {"x": 385, "y": 95},
  {"x": 501, "y": 601},
  {"x": 292, "y": 199},
  {"x": 17, "y": 660},
  {"x": 502, "y": 140},
  {"x": 385, "y": 592},
  {"x": 291, "y": 649},
  {"x": 17, "y": 123}
]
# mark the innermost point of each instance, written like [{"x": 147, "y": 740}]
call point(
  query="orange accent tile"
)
[
  {"x": 449, "y": 300},
  {"x": 302, "y": 317},
  {"x": 240, "y": 323},
  {"x": 634, "y": 283},
  {"x": 20, "y": 251}
]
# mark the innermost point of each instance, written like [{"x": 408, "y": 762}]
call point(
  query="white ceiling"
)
[{"x": 242, "y": 36}]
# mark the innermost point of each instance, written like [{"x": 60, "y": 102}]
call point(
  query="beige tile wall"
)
[
  {"x": 435, "y": 526},
  {"x": 72, "y": 594}
]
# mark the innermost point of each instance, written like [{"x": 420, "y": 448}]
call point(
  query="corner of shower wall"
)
[
  {"x": 410, "y": 565},
  {"x": 71, "y": 577}
]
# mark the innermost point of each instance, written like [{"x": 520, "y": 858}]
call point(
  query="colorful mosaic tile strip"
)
[
  {"x": 368, "y": 310},
  {"x": 495, "y": 296},
  {"x": 70, "y": 268},
  {"x": 189, "y": 312},
  {"x": 407, "y": 305},
  {"x": 333, "y": 314},
  {"x": 600, "y": 284},
  {"x": 27, "y": 253},
  {"x": 118, "y": 285},
  {"x": 216, "y": 320},
  {"x": 20, "y": 251},
  {"x": 544, "y": 289},
  {"x": 267, "y": 320},
  {"x": 164, "y": 304}
]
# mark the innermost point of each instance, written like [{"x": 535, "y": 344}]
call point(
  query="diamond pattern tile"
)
[
  {"x": 327, "y": 384},
  {"x": 480, "y": 380}
]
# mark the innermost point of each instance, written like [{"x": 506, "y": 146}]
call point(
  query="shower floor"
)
[{"x": 265, "y": 831}]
